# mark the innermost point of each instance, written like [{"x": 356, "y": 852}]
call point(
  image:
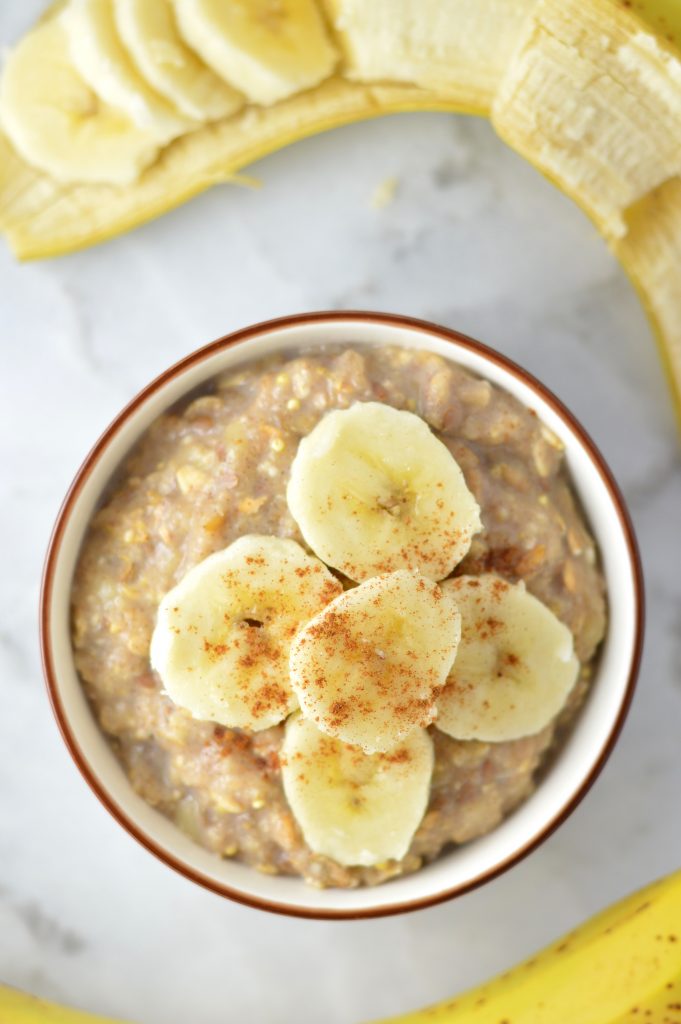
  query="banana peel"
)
[
  {"x": 650, "y": 253},
  {"x": 588, "y": 90},
  {"x": 662, "y": 16},
  {"x": 41, "y": 217},
  {"x": 622, "y": 966}
]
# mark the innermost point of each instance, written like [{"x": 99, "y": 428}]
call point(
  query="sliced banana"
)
[
  {"x": 373, "y": 491},
  {"x": 268, "y": 49},
  {"x": 100, "y": 57},
  {"x": 222, "y": 637},
  {"x": 359, "y": 809},
  {"x": 515, "y": 665},
  {"x": 369, "y": 668},
  {"x": 149, "y": 31},
  {"x": 58, "y": 124}
]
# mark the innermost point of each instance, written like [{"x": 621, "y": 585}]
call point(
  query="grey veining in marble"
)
[{"x": 475, "y": 239}]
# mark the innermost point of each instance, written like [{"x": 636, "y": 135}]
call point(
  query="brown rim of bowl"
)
[{"x": 444, "y": 334}]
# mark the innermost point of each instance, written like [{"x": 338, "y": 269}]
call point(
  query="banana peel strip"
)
[{"x": 41, "y": 217}]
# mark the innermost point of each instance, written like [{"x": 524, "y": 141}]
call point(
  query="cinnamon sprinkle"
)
[{"x": 373, "y": 662}]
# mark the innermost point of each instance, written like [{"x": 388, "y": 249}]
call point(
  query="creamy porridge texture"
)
[{"x": 215, "y": 469}]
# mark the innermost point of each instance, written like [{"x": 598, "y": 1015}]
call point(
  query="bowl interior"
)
[{"x": 580, "y": 757}]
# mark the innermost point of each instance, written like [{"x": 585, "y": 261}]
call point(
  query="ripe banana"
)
[
  {"x": 369, "y": 668},
  {"x": 150, "y": 33},
  {"x": 622, "y": 966},
  {"x": 373, "y": 491},
  {"x": 222, "y": 636},
  {"x": 588, "y": 90},
  {"x": 359, "y": 809},
  {"x": 515, "y": 665},
  {"x": 20, "y": 1008}
]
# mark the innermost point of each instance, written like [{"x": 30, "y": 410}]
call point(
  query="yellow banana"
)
[
  {"x": 588, "y": 90},
  {"x": 650, "y": 252},
  {"x": 622, "y": 966},
  {"x": 19, "y": 1008},
  {"x": 663, "y": 16}
]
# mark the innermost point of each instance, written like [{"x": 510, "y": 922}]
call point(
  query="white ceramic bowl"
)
[{"x": 579, "y": 761}]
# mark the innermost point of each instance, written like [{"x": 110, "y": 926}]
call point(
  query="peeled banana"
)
[
  {"x": 588, "y": 90},
  {"x": 457, "y": 47}
]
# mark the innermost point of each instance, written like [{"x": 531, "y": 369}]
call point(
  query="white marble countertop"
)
[{"x": 474, "y": 239}]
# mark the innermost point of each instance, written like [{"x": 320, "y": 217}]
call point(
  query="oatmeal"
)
[{"x": 215, "y": 469}]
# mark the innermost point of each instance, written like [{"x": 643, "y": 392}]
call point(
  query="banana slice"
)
[
  {"x": 369, "y": 668},
  {"x": 357, "y": 808},
  {"x": 100, "y": 57},
  {"x": 515, "y": 665},
  {"x": 57, "y": 123},
  {"x": 373, "y": 491},
  {"x": 268, "y": 49},
  {"x": 222, "y": 637},
  {"x": 149, "y": 31}
]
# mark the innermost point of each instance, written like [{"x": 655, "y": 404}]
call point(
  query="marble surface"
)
[{"x": 475, "y": 239}]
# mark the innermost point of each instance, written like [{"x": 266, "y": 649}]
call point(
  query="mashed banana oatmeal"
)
[{"x": 215, "y": 470}]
